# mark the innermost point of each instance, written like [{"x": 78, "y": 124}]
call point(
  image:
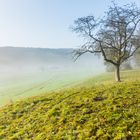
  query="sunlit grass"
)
[
  {"x": 103, "y": 111},
  {"x": 108, "y": 78}
]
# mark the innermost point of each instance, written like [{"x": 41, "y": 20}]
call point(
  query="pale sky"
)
[{"x": 45, "y": 23}]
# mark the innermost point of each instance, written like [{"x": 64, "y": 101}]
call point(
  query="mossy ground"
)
[{"x": 102, "y": 112}]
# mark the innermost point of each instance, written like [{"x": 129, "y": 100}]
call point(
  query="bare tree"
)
[{"x": 113, "y": 36}]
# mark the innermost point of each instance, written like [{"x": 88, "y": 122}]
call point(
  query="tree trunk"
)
[{"x": 117, "y": 73}]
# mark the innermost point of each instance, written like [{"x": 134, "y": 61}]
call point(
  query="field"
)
[
  {"x": 17, "y": 87},
  {"x": 108, "y": 78},
  {"x": 88, "y": 110},
  {"x": 68, "y": 76},
  {"x": 26, "y": 72}
]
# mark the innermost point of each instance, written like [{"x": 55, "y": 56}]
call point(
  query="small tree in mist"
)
[{"x": 113, "y": 36}]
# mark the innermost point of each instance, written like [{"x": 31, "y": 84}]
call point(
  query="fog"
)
[
  {"x": 30, "y": 60},
  {"x": 29, "y": 71}
]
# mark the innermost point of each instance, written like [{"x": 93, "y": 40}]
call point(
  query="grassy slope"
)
[
  {"x": 30, "y": 84},
  {"x": 105, "y": 111}
]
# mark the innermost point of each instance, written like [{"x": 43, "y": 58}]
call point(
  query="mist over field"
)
[
  {"x": 27, "y": 71},
  {"x": 43, "y": 59}
]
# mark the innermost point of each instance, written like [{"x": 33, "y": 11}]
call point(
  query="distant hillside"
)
[
  {"x": 12, "y": 55},
  {"x": 45, "y": 58}
]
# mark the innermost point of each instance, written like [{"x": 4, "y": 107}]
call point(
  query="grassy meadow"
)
[
  {"x": 96, "y": 108},
  {"x": 31, "y": 84},
  {"x": 68, "y": 76},
  {"x": 46, "y": 97}
]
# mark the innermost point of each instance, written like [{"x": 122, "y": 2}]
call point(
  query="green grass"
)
[
  {"x": 31, "y": 84},
  {"x": 17, "y": 87},
  {"x": 97, "y": 109},
  {"x": 108, "y": 78}
]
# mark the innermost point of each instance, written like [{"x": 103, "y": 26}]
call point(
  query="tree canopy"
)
[{"x": 113, "y": 36}]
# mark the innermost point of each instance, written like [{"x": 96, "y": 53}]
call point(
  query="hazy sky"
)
[{"x": 45, "y": 23}]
